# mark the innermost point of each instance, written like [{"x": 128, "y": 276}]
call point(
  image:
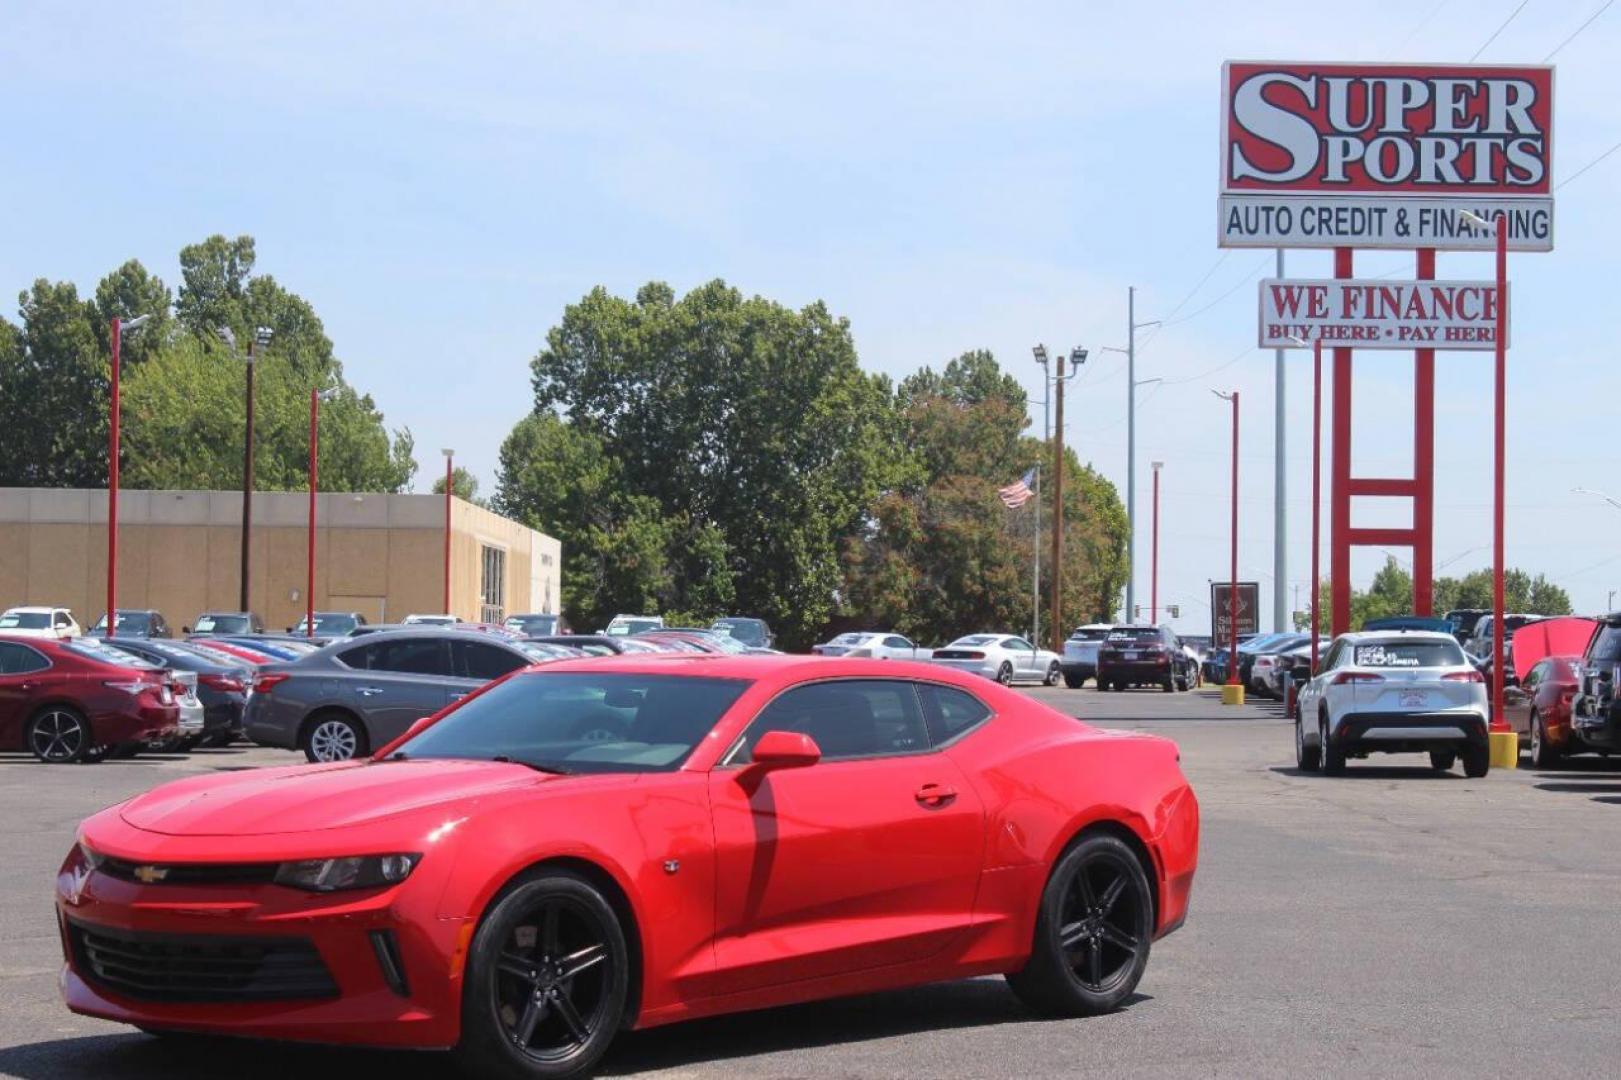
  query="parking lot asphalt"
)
[{"x": 1391, "y": 922}]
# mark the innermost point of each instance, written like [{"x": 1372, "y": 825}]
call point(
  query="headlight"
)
[
  {"x": 88, "y": 855},
  {"x": 351, "y": 872}
]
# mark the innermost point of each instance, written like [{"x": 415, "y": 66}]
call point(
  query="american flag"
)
[{"x": 1018, "y": 493}]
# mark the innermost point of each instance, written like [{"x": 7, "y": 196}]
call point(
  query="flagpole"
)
[{"x": 1035, "y": 574}]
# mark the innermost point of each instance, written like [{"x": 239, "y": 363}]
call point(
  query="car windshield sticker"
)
[{"x": 1379, "y": 656}]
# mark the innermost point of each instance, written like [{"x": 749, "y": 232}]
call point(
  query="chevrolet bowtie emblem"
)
[{"x": 148, "y": 875}]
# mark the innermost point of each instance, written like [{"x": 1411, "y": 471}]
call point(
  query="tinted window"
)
[
  {"x": 1607, "y": 646},
  {"x": 223, "y": 624},
  {"x": 848, "y": 719},
  {"x": 62, "y": 619},
  {"x": 583, "y": 722},
  {"x": 24, "y": 620},
  {"x": 949, "y": 712},
  {"x": 477, "y": 660},
  {"x": 1087, "y": 633},
  {"x": 410, "y": 656},
  {"x": 1535, "y": 675},
  {"x": 1017, "y": 645},
  {"x": 20, "y": 659},
  {"x": 1134, "y": 633},
  {"x": 894, "y": 642}
]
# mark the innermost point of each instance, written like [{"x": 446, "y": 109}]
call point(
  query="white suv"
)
[
  {"x": 1393, "y": 692},
  {"x": 42, "y": 622}
]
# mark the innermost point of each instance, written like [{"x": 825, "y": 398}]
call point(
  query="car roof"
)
[{"x": 34, "y": 609}]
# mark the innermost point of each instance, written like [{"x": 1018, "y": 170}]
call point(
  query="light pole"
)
[
  {"x": 1077, "y": 357},
  {"x": 1153, "y": 586},
  {"x": 316, "y": 397},
  {"x": 450, "y": 458},
  {"x": 261, "y": 338},
  {"x": 1316, "y": 482},
  {"x": 1040, "y": 353},
  {"x": 119, "y": 328},
  {"x": 1233, "y": 693},
  {"x": 1132, "y": 326},
  {"x": 1499, "y": 724},
  {"x": 1600, "y": 494}
]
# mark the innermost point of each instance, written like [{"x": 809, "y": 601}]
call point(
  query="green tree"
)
[
  {"x": 55, "y": 390},
  {"x": 744, "y": 442},
  {"x": 464, "y": 485},
  {"x": 1391, "y": 593},
  {"x": 126, "y": 293}
]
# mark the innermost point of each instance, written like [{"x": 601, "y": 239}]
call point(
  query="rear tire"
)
[
  {"x": 1477, "y": 761},
  {"x": 335, "y": 736},
  {"x": 1169, "y": 685},
  {"x": 59, "y": 734},
  {"x": 1544, "y": 755},
  {"x": 1443, "y": 760},
  {"x": 1004, "y": 675},
  {"x": 1054, "y": 673},
  {"x": 1074, "y": 682},
  {"x": 1093, "y": 933},
  {"x": 1333, "y": 757},
  {"x": 1306, "y": 757}
]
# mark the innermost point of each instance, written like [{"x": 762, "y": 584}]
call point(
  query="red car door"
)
[
  {"x": 20, "y": 674},
  {"x": 869, "y": 857}
]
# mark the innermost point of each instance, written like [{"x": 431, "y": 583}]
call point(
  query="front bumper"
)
[
  {"x": 1401, "y": 732},
  {"x": 366, "y": 1008}
]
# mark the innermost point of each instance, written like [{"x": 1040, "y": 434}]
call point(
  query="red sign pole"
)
[
  {"x": 1316, "y": 491},
  {"x": 112, "y": 490},
  {"x": 309, "y": 586},
  {"x": 450, "y": 477},
  {"x": 1232, "y": 584},
  {"x": 1499, "y": 722},
  {"x": 1153, "y": 577}
]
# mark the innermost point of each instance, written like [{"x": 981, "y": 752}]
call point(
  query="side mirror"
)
[
  {"x": 786, "y": 750},
  {"x": 185, "y": 629}
]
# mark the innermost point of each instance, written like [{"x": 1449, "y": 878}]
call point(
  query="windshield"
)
[
  {"x": 135, "y": 622},
  {"x": 975, "y": 639},
  {"x": 633, "y": 626},
  {"x": 1409, "y": 654},
  {"x": 106, "y": 654},
  {"x": 333, "y": 625},
  {"x": 583, "y": 722},
  {"x": 532, "y": 624},
  {"x": 222, "y": 624},
  {"x": 24, "y": 620}
]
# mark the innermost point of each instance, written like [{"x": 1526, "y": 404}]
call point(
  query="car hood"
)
[{"x": 308, "y": 798}]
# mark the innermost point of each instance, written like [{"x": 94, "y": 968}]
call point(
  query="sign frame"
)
[
  {"x": 1388, "y": 340},
  {"x": 1247, "y": 624}
]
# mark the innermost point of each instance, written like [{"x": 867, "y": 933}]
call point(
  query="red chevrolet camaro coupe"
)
[{"x": 628, "y": 841}]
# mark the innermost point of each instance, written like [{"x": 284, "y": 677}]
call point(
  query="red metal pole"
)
[
  {"x": 1424, "y": 463},
  {"x": 112, "y": 489},
  {"x": 1316, "y": 491},
  {"x": 1339, "y": 543},
  {"x": 1232, "y": 584},
  {"x": 1499, "y": 722},
  {"x": 309, "y": 586},
  {"x": 449, "y": 477},
  {"x": 1153, "y": 578}
]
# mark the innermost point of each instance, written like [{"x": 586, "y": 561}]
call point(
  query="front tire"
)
[
  {"x": 59, "y": 734},
  {"x": 1477, "y": 761},
  {"x": 1004, "y": 674},
  {"x": 1054, "y": 673},
  {"x": 1092, "y": 936},
  {"x": 335, "y": 737},
  {"x": 1074, "y": 682},
  {"x": 1333, "y": 757},
  {"x": 1443, "y": 760},
  {"x": 547, "y": 983}
]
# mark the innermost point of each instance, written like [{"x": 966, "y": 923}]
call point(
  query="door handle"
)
[
  {"x": 369, "y": 691},
  {"x": 933, "y": 795}
]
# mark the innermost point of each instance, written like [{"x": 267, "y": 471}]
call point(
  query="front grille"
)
[
  {"x": 188, "y": 873},
  {"x": 201, "y": 968}
]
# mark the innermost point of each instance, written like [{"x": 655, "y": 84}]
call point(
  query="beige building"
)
[{"x": 180, "y": 552}]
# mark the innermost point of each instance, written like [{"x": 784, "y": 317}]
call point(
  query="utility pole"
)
[
  {"x": 1131, "y": 452},
  {"x": 1058, "y": 512},
  {"x": 1035, "y": 569},
  {"x": 261, "y": 338},
  {"x": 1280, "y": 512}
]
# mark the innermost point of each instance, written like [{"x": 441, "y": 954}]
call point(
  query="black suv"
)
[
  {"x": 1144, "y": 656},
  {"x": 1595, "y": 712}
]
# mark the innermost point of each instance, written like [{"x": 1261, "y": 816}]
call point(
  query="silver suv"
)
[
  {"x": 1080, "y": 660},
  {"x": 358, "y": 694}
]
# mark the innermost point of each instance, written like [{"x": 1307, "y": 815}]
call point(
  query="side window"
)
[
  {"x": 62, "y": 618},
  {"x": 20, "y": 660},
  {"x": 949, "y": 712},
  {"x": 412, "y": 656},
  {"x": 1535, "y": 675},
  {"x": 358, "y": 657},
  {"x": 1607, "y": 646},
  {"x": 478, "y": 660},
  {"x": 895, "y": 641},
  {"x": 1327, "y": 661},
  {"x": 852, "y": 718},
  {"x": 1017, "y": 645}
]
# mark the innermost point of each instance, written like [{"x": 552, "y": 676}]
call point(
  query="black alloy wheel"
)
[
  {"x": 1093, "y": 934},
  {"x": 1004, "y": 674},
  {"x": 58, "y": 734},
  {"x": 547, "y": 981}
]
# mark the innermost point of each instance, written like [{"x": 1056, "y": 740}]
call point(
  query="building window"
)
[{"x": 492, "y": 589}]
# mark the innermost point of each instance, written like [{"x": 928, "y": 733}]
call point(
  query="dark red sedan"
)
[
  {"x": 1539, "y": 709},
  {"x": 77, "y": 700}
]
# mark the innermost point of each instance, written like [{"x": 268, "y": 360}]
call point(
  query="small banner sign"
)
[
  {"x": 1249, "y": 607},
  {"x": 1369, "y": 314}
]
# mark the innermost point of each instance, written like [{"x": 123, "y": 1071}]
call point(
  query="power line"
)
[
  {"x": 1190, "y": 294},
  {"x": 1574, "y": 34},
  {"x": 1589, "y": 165},
  {"x": 1511, "y": 17},
  {"x": 1422, "y": 23},
  {"x": 1251, "y": 276}
]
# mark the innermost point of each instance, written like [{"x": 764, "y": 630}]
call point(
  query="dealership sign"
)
[
  {"x": 1385, "y": 155},
  {"x": 1249, "y": 606},
  {"x": 1378, "y": 314}
]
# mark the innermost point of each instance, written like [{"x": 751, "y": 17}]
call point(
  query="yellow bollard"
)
[
  {"x": 1505, "y": 749},
  {"x": 1232, "y": 694}
]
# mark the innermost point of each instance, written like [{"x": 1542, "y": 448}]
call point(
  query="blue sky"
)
[{"x": 440, "y": 180}]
